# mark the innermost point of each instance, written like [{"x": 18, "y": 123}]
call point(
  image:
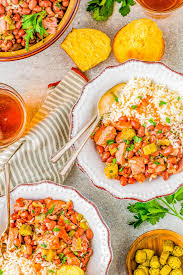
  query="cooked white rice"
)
[{"x": 169, "y": 113}]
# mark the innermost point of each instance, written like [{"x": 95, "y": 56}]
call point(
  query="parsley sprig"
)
[
  {"x": 103, "y": 9},
  {"x": 157, "y": 209},
  {"x": 33, "y": 23}
]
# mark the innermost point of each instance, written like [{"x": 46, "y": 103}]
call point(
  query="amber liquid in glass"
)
[
  {"x": 161, "y": 5},
  {"x": 11, "y": 117}
]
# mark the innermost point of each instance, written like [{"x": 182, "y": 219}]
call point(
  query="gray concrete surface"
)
[{"x": 31, "y": 76}]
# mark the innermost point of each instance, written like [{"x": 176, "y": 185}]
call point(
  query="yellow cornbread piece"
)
[
  {"x": 149, "y": 149},
  {"x": 87, "y": 47},
  {"x": 140, "y": 39},
  {"x": 70, "y": 270}
]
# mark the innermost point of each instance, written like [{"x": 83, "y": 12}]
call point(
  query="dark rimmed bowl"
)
[{"x": 49, "y": 40}]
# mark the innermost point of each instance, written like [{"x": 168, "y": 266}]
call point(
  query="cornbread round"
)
[
  {"x": 70, "y": 270},
  {"x": 140, "y": 39},
  {"x": 87, "y": 47}
]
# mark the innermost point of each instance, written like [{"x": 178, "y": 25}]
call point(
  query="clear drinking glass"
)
[
  {"x": 13, "y": 115},
  {"x": 160, "y": 8}
]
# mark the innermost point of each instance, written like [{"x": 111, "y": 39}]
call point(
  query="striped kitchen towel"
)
[{"x": 49, "y": 130}]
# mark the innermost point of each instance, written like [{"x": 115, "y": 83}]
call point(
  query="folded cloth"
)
[{"x": 29, "y": 157}]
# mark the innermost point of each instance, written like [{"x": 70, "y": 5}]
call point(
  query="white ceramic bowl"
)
[
  {"x": 89, "y": 160},
  {"x": 100, "y": 260}
]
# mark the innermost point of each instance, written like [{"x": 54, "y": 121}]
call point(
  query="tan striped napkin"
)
[{"x": 49, "y": 131}]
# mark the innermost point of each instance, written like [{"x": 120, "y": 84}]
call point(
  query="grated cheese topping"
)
[{"x": 143, "y": 99}]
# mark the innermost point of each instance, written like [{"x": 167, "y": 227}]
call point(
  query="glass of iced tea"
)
[
  {"x": 12, "y": 115},
  {"x": 160, "y": 8}
]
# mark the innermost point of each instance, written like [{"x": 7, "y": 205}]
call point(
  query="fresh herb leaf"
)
[
  {"x": 156, "y": 209},
  {"x": 75, "y": 253},
  {"x": 134, "y": 107},
  {"x": 137, "y": 139},
  {"x": 178, "y": 98},
  {"x": 159, "y": 132},
  {"x": 1, "y": 272},
  {"x": 101, "y": 9},
  {"x": 110, "y": 141},
  {"x": 56, "y": 229},
  {"x": 15, "y": 246},
  {"x": 156, "y": 162},
  {"x": 127, "y": 141},
  {"x": 162, "y": 103},
  {"x": 125, "y": 7},
  {"x": 61, "y": 255},
  {"x": 93, "y": 134},
  {"x": 33, "y": 23},
  {"x": 51, "y": 271},
  {"x": 121, "y": 169},
  {"x": 50, "y": 211},
  {"x": 116, "y": 98},
  {"x": 64, "y": 260},
  {"x": 167, "y": 119},
  {"x": 66, "y": 221},
  {"x": 130, "y": 148},
  {"x": 44, "y": 245},
  {"x": 144, "y": 125},
  {"x": 114, "y": 161},
  {"x": 151, "y": 120},
  {"x": 140, "y": 97}
]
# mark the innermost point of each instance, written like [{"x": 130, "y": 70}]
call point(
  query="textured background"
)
[{"x": 31, "y": 76}]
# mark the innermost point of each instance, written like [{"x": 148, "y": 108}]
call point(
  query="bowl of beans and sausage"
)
[{"x": 30, "y": 26}]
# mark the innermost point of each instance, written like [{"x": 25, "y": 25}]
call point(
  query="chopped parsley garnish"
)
[
  {"x": 110, "y": 141},
  {"x": 156, "y": 162},
  {"x": 162, "y": 103},
  {"x": 137, "y": 139},
  {"x": 64, "y": 260},
  {"x": 93, "y": 134},
  {"x": 50, "y": 211},
  {"x": 44, "y": 257},
  {"x": 51, "y": 271},
  {"x": 130, "y": 148},
  {"x": 114, "y": 161},
  {"x": 66, "y": 221},
  {"x": 161, "y": 155},
  {"x": 152, "y": 121},
  {"x": 134, "y": 107},
  {"x": 44, "y": 245},
  {"x": 116, "y": 98},
  {"x": 61, "y": 255},
  {"x": 144, "y": 125},
  {"x": 167, "y": 119},
  {"x": 178, "y": 98},
  {"x": 1, "y": 272},
  {"x": 58, "y": 5},
  {"x": 127, "y": 141},
  {"x": 121, "y": 169},
  {"x": 140, "y": 97},
  {"x": 159, "y": 132},
  {"x": 56, "y": 229},
  {"x": 15, "y": 246},
  {"x": 75, "y": 253},
  {"x": 61, "y": 212},
  {"x": 47, "y": 232},
  {"x": 33, "y": 211}
]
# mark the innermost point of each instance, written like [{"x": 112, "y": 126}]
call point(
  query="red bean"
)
[
  {"x": 26, "y": 11},
  {"x": 79, "y": 232},
  {"x": 130, "y": 155},
  {"x": 17, "y": 242},
  {"x": 7, "y": 47},
  {"x": 141, "y": 131},
  {"x": 24, "y": 5},
  {"x": 19, "y": 40},
  {"x": 32, "y": 4},
  {"x": 135, "y": 124},
  {"x": 65, "y": 3},
  {"x": 44, "y": 3},
  {"x": 105, "y": 156},
  {"x": 24, "y": 214},
  {"x": 89, "y": 234},
  {"x": 131, "y": 181},
  {"x": 166, "y": 129},
  {"x": 153, "y": 139},
  {"x": 15, "y": 2},
  {"x": 165, "y": 175},
  {"x": 49, "y": 11},
  {"x": 55, "y": 8},
  {"x": 60, "y": 13},
  {"x": 23, "y": 43},
  {"x": 100, "y": 149},
  {"x": 123, "y": 118},
  {"x": 109, "y": 160},
  {"x": 21, "y": 32},
  {"x": 15, "y": 31},
  {"x": 37, "y": 9},
  {"x": 167, "y": 151},
  {"x": 123, "y": 181},
  {"x": 9, "y": 12},
  {"x": 18, "y": 25},
  {"x": 16, "y": 17}
]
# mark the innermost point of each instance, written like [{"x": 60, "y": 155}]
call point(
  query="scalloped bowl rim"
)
[
  {"x": 19, "y": 188},
  {"x": 48, "y": 41},
  {"x": 78, "y": 162}
]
